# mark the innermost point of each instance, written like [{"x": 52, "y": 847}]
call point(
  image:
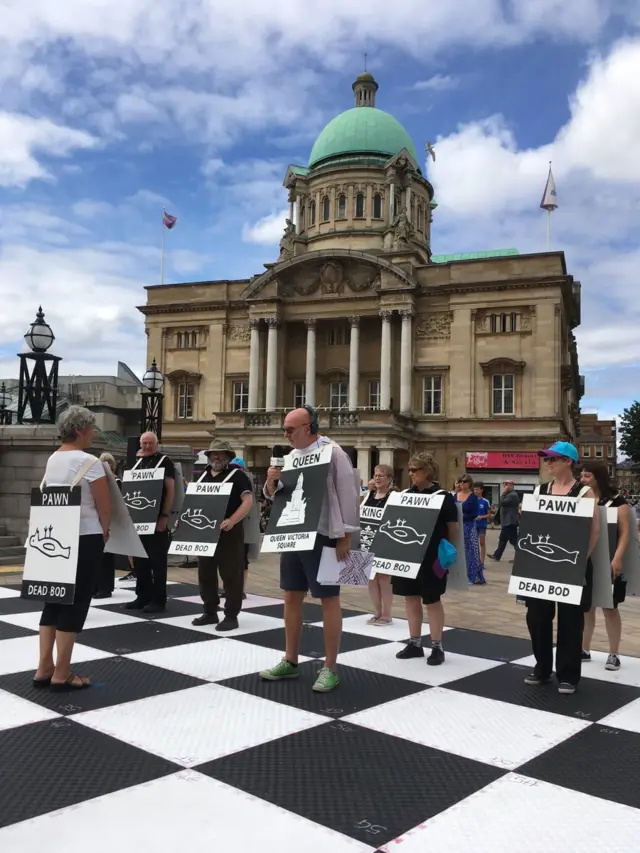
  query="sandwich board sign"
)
[
  {"x": 297, "y": 505},
  {"x": 370, "y": 521},
  {"x": 123, "y": 539},
  {"x": 553, "y": 546},
  {"x": 51, "y": 558},
  {"x": 604, "y": 552},
  {"x": 203, "y": 509},
  {"x": 142, "y": 493},
  {"x": 402, "y": 539},
  {"x": 457, "y": 574}
]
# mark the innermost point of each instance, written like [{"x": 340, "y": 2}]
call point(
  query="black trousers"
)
[
  {"x": 229, "y": 561},
  {"x": 509, "y": 533},
  {"x": 151, "y": 574},
  {"x": 71, "y": 617},
  {"x": 106, "y": 573}
]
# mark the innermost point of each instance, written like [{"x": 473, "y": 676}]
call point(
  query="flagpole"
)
[
  {"x": 548, "y": 230},
  {"x": 162, "y": 256}
]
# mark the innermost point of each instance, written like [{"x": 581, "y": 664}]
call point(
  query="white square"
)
[
  {"x": 627, "y": 717},
  {"x": 97, "y": 617},
  {"x": 629, "y": 672},
  {"x": 21, "y": 654},
  {"x": 251, "y": 601},
  {"x": 213, "y": 661},
  {"x": 382, "y": 659},
  {"x": 482, "y": 729},
  {"x": 5, "y": 592},
  {"x": 396, "y": 631},
  {"x": 212, "y": 816},
  {"x": 15, "y": 711},
  {"x": 190, "y": 727},
  {"x": 518, "y": 813},
  {"x": 249, "y": 623},
  {"x": 118, "y": 596}
]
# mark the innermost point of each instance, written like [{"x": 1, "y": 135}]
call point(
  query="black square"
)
[
  {"x": 11, "y": 632},
  {"x": 600, "y": 760},
  {"x": 182, "y": 590},
  {"x": 592, "y": 700},
  {"x": 53, "y": 764},
  {"x": 358, "y": 689},
  {"x": 11, "y": 606},
  {"x": 311, "y": 641},
  {"x": 141, "y": 636},
  {"x": 479, "y": 644},
  {"x": 174, "y": 607},
  {"x": 365, "y": 784},
  {"x": 311, "y": 613},
  {"x": 115, "y": 680}
]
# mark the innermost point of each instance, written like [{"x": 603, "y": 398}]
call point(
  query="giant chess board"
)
[{"x": 180, "y": 746}]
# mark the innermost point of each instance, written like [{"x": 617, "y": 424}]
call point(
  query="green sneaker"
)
[
  {"x": 327, "y": 679},
  {"x": 283, "y": 670}
]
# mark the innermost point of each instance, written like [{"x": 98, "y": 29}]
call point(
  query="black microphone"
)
[{"x": 277, "y": 456}]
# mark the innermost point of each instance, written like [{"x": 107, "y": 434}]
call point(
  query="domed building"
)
[{"x": 471, "y": 357}]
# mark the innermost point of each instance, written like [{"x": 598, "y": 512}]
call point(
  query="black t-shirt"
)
[
  {"x": 152, "y": 462},
  {"x": 372, "y": 500},
  {"x": 616, "y": 501},
  {"x": 573, "y": 492},
  {"x": 448, "y": 514},
  {"x": 240, "y": 484}
]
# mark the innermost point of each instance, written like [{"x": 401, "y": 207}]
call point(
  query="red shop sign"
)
[{"x": 498, "y": 460}]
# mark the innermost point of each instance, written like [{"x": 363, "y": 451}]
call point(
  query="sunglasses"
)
[{"x": 414, "y": 470}]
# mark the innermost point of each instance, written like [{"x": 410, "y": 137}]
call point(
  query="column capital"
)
[
  {"x": 254, "y": 322},
  {"x": 272, "y": 322},
  {"x": 406, "y": 312},
  {"x": 354, "y": 321},
  {"x": 386, "y": 314},
  {"x": 311, "y": 323}
]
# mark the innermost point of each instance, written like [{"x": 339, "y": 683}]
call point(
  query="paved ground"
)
[{"x": 489, "y": 608}]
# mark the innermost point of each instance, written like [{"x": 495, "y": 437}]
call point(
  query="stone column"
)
[
  {"x": 408, "y": 203},
  {"x": 354, "y": 363},
  {"x": 385, "y": 455},
  {"x": 364, "y": 463},
  {"x": 406, "y": 402},
  {"x": 298, "y": 199},
  {"x": 272, "y": 364},
  {"x": 392, "y": 196},
  {"x": 385, "y": 360},
  {"x": 291, "y": 201},
  {"x": 254, "y": 364},
  {"x": 310, "y": 379}
]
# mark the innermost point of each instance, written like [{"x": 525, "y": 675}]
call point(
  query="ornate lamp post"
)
[
  {"x": 5, "y": 399},
  {"x": 38, "y": 384},
  {"x": 151, "y": 414}
]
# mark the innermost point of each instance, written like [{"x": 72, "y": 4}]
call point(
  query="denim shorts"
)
[{"x": 299, "y": 570}]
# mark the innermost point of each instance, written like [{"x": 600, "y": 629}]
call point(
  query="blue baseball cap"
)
[
  {"x": 238, "y": 461},
  {"x": 559, "y": 449}
]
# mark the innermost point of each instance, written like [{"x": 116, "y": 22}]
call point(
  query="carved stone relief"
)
[
  {"x": 330, "y": 280},
  {"x": 239, "y": 334},
  {"x": 434, "y": 325}
]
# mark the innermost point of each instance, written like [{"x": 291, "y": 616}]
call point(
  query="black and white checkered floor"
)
[{"x": 179, "y": 745}]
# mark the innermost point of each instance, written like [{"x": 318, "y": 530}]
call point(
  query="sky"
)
[{"x": 111, "y": 111}]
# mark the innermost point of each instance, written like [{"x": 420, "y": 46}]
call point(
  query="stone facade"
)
[
  {"x": 399, "y": 353},
  {"x": 598, "y": 440}
]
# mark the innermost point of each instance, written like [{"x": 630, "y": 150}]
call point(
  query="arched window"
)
[
  {"x": 359, "y": 206},
  {"x": 377, "y": 206},
  {"x": 325, "y": 209},
  {"x": 312, "y": 213},
  {"x": 342, "y": 206}
]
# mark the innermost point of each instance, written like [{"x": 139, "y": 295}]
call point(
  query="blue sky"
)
[{"x": 108, "y": 112}]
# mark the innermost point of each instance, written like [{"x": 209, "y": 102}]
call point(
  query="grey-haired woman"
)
[{"x": 61, "y": 623}]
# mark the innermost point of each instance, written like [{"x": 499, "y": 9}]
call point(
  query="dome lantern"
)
[{"x": 364, "y": 90}]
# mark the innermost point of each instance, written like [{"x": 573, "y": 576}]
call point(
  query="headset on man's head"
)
[{"x": 314, "y": 426}]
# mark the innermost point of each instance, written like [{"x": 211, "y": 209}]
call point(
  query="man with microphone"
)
[{"x": 339, "y": 519}]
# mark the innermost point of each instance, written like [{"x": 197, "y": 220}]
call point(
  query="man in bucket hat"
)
[{"x": 229, "y": 558}]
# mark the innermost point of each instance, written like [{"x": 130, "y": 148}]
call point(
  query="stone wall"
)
[{"x": 24, "y": 451}]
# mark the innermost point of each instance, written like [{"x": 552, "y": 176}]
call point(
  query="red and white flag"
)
[{"x": 168, "y": 220}]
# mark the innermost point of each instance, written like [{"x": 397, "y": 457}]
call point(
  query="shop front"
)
[{"x": 493, "y": 467}]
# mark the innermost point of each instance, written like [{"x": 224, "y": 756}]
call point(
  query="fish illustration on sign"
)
[
  {"x": 546, "y": 550},
  {"x": 196, "y": 518},
  {"x": 49, "y": 546},
  {"x": 295, "y": 510},
  {"x": 136, "y": 500},
  {"x": 402, "y": 533}
]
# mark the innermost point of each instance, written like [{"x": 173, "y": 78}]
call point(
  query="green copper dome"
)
[{"x": 361, "y": 130}]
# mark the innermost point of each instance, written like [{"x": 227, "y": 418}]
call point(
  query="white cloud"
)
[
  {"x": 437, "y": 83},
  {"x": 186, "y": 262},
  {"x": 22, "y": 137},
  {"x": 266, "y": 231}
]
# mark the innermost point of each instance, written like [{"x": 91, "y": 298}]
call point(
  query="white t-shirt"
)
[{"x": 62, "y": 467}]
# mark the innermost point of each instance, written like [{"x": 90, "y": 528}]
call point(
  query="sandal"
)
[
  {"x": 40, "y": 683},
  {"x": 373, "y": 620},
  {"x": 383, "y": 621},
  {"x": 71, "y": 684}
]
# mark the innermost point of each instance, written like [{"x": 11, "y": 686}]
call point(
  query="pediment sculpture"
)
[{"x": 330, "y": 280}]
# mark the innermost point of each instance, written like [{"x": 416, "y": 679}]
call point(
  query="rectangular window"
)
[
  {"x": 339, "y": 336},
  {"x": 180, "y": 340},
  {"x": 611, "y": 451},
  {"x": 503, "y": 323},
  {"x": 299, "y": 394},
  {"x": 599, "y": 453},
  {"x": 432, "y": 395},
  {"x": 586, "y": 451},
  {"x": 610, "y": 470},
  {"x": 503, "y": 402},
  {"x": 339, "y": 395},
  {"x": 240, "y": 396},
  {"x": 186, "y": 340},
  {"x": 374, "y": 394},
  {"x": 185, "y": 400}
]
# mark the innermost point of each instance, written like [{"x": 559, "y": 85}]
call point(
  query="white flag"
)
[{"x": 550, "y": 198}]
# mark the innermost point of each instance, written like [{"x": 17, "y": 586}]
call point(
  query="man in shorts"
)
[{"x": 430, "y": 585}]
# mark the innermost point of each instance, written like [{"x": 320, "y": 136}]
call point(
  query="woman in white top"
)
[{"x": 60, "y": 623}]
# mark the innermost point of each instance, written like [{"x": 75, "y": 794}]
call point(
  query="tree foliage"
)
[{"x": 630, "y": 432}]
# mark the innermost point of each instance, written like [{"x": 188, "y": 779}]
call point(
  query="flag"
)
[
  {"x": 550, "y": 198},
  {"x": 167, "y": 220}
]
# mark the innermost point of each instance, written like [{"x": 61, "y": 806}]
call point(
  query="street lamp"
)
[
  {"x": 38, "y": 383},
  {"x": 151, "y": 414},
  {"x": 5, "y": 399}
]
